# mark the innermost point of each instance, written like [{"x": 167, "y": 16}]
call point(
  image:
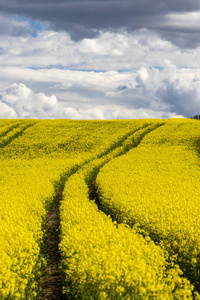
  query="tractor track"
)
[
  {"x": 51, "y": 287},
  {"x": 52, "y": 279},
  {"x": 18, "y": 133},
  {"x": 94, "y": 196}
]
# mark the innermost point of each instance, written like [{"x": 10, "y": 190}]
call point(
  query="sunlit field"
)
[{"x": 129, "y": 225}]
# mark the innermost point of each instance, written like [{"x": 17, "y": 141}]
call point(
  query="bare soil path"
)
[{"x": 52, "y": 280}]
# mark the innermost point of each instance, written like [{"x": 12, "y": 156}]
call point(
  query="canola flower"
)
[
  {"x": 27, "y": 191},
  {"x": 12, "y": 130},
  {"x": 100, "y": 260},
  {"x": 105, "y": 260},
  {"x": 68, "y": 138},
  {"x": 155, "y": 189},
  {"x": 7, "y": 125},
  {"x": 35, "y": 158}
]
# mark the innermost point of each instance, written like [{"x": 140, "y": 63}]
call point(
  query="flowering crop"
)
[
  {"x": 27, "y": 191},
  {"x": 36, "y": 156},
  {"x": 100, "y": 259},
  {"x": 105, "y": 260},
  {"x": 13, "y": 131},
  {"x": 67, "y": 138},
  {"x": 155, "y": 188}
]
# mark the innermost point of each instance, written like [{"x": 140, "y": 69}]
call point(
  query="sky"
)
[{"x": 99, "y": 59}]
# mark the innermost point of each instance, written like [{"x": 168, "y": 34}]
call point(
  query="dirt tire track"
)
[
  {"x": 52, "y": 280},
  {"x": 4, "y": 143}
]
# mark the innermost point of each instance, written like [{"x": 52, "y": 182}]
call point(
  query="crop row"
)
[
  {"x": 28, "y": 186},
  {"x": 100, "y": 259},
  {"x": 104, "y": 260},
  {"x": 8, "y": 133},
  {"x": 155, "y": 189},
  {"x": 74, "y": 139},
  {"x": 27, "y": 191},
  {"x": 5, "y": 127}
]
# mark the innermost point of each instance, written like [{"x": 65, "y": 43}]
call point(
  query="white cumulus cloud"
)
[
  {"x": 24, "y": 103},
  {"x": 7, "y": 112},
  {"x": 144, "y": 93}
]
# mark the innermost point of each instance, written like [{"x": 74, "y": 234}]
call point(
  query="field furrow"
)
[
  {"x": 51, "y": 286},
  {"x": 105, "y": 260},
  {"x": 34, "y": 167},
  {"x": 155, "y": 189},
  {"x": 14, "y": 131},
  {"x": 99, "y": 209},
  {"x": 6, "y": 128}
]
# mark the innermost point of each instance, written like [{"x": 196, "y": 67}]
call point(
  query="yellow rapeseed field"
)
[
  {"x": 36, "y": 157},
  {"x": 105, "y": 260},
  {"x": 147, "y": 180},
  {"x": 155, "y": 188}
]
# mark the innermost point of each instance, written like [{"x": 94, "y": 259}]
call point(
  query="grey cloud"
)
[
  {"x": 172, "y": 90},
  {"x": 85, "y": 18},
  {"x": 12, "y": 27},
  {"x": 169, "y": 91},
  {"x": 183, "y": 101},
  {"x": 183, "y": 39}
]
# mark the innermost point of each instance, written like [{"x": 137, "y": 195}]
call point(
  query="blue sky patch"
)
[{"x": 36, "y": 26}]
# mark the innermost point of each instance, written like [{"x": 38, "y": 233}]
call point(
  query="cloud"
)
[
  {"x": 13, "y": 27},
  {"x": 180, "y": 91},
  {"x": 86, "y": 18},
  {"x": 18, "y": 101},
  {"x": 148, "y": 92},
  {"x": 181, "y": 28},
  {"x": 24, "y": 103},
  {"x": 170, "y": 90},
  {"x": 87, "y": 114},
  {"x": 186, "y": 20},
  {"x": 99, "y": 59},
  {"x": 108, "y": 51},
  {"x": 7, "y": 111}
]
